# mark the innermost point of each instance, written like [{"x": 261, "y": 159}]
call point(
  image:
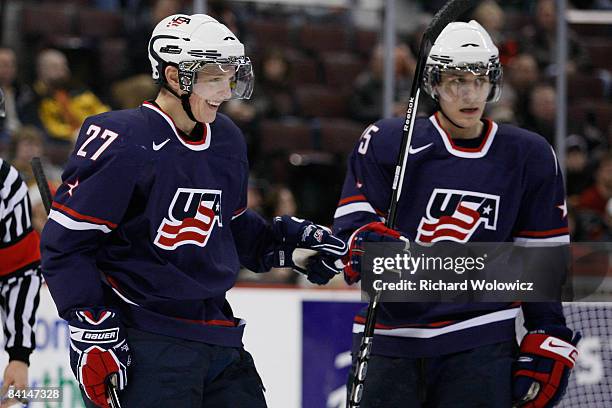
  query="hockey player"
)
[
  {"x": 495, "y": 183},
  {"x": 149, "y": 228},
  {"x": 20, "y": 277}
]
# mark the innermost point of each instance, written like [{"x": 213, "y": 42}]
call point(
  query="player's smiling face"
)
[
  {"x": 462, "y": 97},
  {"x": 212, "y": 88}
]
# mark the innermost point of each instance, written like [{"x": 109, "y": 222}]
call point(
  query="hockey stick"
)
[
  {"x": 447, "y": 14},
  {"x": 45, "y": 194},
  {"x": 41, "y": 182}
]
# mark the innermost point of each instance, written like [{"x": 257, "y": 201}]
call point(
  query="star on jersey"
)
[
  {"x": 72, "y": 187},
  {"x": 563, "y": 208}
]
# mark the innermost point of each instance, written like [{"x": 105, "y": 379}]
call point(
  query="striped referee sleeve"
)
[
  {"x": 19, "y": 243},
  {"x": 20, "y": 298},
  {"x": 15, "y": 207},
  {"x": 20, "y": 275}
]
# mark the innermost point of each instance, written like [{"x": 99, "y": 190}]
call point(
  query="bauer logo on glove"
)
[{"x": 98, "y": 350}]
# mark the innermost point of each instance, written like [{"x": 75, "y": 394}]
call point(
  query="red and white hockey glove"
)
[
  {"x": 373, "y": 232},
  {"x": 542, "y": 369},
  {"x": 98, "y": 349}
]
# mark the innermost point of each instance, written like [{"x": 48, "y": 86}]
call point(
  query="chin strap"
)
[{"x": 184, "y": 101}]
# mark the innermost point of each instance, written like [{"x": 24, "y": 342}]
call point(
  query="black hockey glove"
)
[
  {"x": 98, "y": 350},
  {"x": 543, "y": 367},
  {"x": 372, "y": 232},
  {"x": 321, "y": 268},
  {"x": 301, "y": 243}
]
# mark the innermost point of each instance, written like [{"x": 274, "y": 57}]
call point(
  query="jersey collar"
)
[
  {"x": 197, "y": 146},
  {"x": 466, "y": 152}
]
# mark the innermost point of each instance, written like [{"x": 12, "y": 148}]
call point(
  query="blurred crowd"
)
[{"x": 319, "y": 84}]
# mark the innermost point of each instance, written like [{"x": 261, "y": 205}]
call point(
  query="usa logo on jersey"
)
[
  {"x": 192, "y": 216},
  {"x": 454, "y": 215}
]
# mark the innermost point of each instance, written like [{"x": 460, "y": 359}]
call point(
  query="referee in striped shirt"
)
[{"x": 20, "y": 277}]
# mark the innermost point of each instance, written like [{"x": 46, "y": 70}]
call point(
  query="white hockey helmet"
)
[
  {"x": 464, "y": 47},
  {"x": 196, "y": 43}
]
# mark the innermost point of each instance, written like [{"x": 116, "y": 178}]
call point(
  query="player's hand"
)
[
  {"x": 291, "y": 233},
  {"x": 15, "y": 375},
  {"x": 98, "y": 350},
  {"x": 542, "y": 369},
  {"x": 373, "y": 232},
  {"x": 321, "y": 268}
]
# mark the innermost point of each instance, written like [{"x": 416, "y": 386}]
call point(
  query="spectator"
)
[
  {"x": 270, "y": 202},
  {"x": 367, "y": 97},
  {"x": 522, "y": 75},
  {"x": 541, "y": 114},
  {"x": 130, "y": 92},
  {"x": 27, "y": 142},
  {"x": 608, "y": 222},
  {"x": 273, "y": 94},
  {"x": 60, "y": 105},
  {"x": 15, "y": 94},
  {"x": 595, "y": 198},
  {"x": 255, "y": 193},
  {"x": 225, "y": 14},
  {"x": 140, "y": 21},
  {"x": 39, "y": 213},
  {"x": 540, "y": 41},
  {"x": 492, "y": 17},
  {"x": 278, "y": 201},
  {"x": 578, "y": 173}
]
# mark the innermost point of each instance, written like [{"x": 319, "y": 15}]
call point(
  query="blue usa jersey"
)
[
  {"x": 154, "y": 224},
  {"x": 506, "y": 189}
]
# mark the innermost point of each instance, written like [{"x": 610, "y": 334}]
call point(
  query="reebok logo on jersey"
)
[
  {"x": 156, "y": 147},
  {"x": 191, "y": 219},
  {"x": 412, "y": 150},
  {"x": 454, "y": 215}
]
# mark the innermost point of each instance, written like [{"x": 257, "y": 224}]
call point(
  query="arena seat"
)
[
  {"x": 340, "y": 135},
  {"x": 341, "y": 68},
  {"x": 287, "y": 136},
  {"x": 320, "y": 38},
  {"x": 584, "y": 86},
  {"x": 270, "y": 33},
  {"x": 320, "y": 101},
  {"x": 99, "y": 23},
  {"x": 47, "y": 19}
]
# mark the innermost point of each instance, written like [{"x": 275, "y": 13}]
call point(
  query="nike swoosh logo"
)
[
  {"x": 551, "y": 344},
  {"x": 156, "y": 147},
  {"x": 412, "y": 150}
]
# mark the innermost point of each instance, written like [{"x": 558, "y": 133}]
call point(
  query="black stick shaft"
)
[
  {"x": 447, "y": 14},
  {"x": 41, "y": 182}
]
